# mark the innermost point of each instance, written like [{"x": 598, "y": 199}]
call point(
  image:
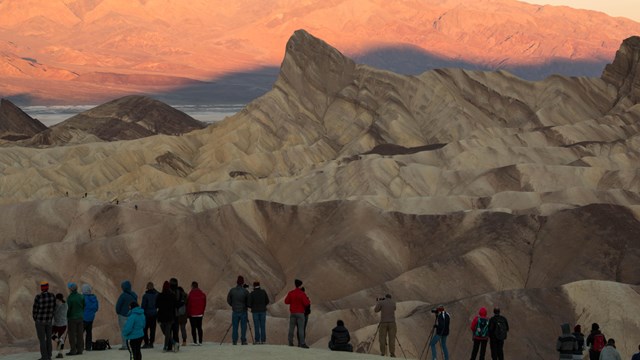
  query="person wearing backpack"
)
[
  {"x": 567, "y": 343},
  {"x": 577, "y": 332},
  {"x": 596, "y": 342},
  {"x": 480, "y": 330},
  {"x": 498, "y": 329}
]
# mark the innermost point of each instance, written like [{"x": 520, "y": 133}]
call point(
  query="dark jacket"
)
[
  {"x": 590, "y": 339},
  {"x": 442, "y": 323},
  {"x": 340, "y": 335},
  {"x": 125, "y": 299},
  {"x": 493, "y": 334},
  {"x": 43, "y": 307},
  {"x": 580, "y": 338},
  {"x": 75, "y": 303},
  {"x": 149, "y": 303},
  {"x": 166, "y": 305},
  {"x": 258, "y": 300},
  {"x": 238, "y": 298}
]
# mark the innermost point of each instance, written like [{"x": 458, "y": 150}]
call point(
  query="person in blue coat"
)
[
  {"x": 122, "y": 307},
  {"x": 91, "y": 307},
  {"x": 133, "y": 330}
]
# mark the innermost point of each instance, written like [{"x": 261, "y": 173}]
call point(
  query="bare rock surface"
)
[
  {"x": 15, "y": 124},
  {"x": 462, "y": 188}
]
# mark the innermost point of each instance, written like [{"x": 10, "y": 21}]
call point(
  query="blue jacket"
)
[
  {"x": 149, "y": 302},
  {"x": 125, "y": 299},
  {"x": 134, "y": 327},
  {"x": 90, "y": 307}
]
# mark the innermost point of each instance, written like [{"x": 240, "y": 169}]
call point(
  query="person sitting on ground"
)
[
  {"x": 610, "y": 352},
  {"x": 340, "y": 338}
]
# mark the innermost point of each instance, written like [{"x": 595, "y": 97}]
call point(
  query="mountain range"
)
[
  {"x": 463, "y": 188},
  {"x": 213, "y": 51}
]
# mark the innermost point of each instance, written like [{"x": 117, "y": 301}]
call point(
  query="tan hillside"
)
[{"x": 464, "y": 188}]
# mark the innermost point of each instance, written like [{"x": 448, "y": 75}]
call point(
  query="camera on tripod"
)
[
  {"x": 434, "y": 310},
  {"x": 380, "y": 298}
]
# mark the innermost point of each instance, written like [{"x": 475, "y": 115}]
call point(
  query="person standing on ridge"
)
[
  {"x": 258, "y": 301},
  {"x": 196, "y": 304},
  {"x": 238, "y": 298},
  {"x": 122, "y": 308},
  {"x": 386, "y": 306},
  {"x": 44, "y": 306},
  {"x": 567, "y": 343},
  {"x": 498, "y": 329},
  {"x": 480, "y": 330},
  {"x": 150, "y": 315},
  {"x": 297, "y": 301},
  {"x": 91, "y": 307},
  {"x": 75, "y": 315},
  {"x": 441, "y": 332},
  {"x": 596, "y": 342},
  {"x": 166, "y": 310},
  {"x": 133, "y": 330},
  {"x": 577, "y": 333}
]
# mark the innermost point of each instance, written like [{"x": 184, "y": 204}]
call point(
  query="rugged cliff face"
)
[
  {"x": 15, "y": 124},
  {"x": 461, "y": 188},
  {"x": 624, "y": 72}
]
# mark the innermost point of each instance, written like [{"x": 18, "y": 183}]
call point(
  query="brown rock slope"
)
[
  {"x": 127, "y": 118},
  {"x": 464, "y": 188},
  {"x": 15, "y": 124}
]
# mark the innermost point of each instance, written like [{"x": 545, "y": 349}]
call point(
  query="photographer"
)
[
  {"x": 387, "y": 309},
  {"x": 441, "y": 326}
]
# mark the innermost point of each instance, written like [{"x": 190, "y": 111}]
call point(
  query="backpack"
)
[
  {"x": 598, "y": 342},
  {"x": 101, "y": 344},
  {"x": 500, "y": 330},
  {"x": 482, "y": 327}
]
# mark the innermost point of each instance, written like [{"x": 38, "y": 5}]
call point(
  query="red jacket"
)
[
  {"x": 481, "y": 314},
  {"x": 297, "y": 301},
  {"x": 196, "y": 302}
]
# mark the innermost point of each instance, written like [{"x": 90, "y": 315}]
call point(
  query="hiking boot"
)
[
  {"x": 304, "y": 346},
  {"x": 245, "y": 343}
]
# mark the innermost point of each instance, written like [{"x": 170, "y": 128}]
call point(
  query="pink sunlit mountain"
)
[{"x": 208, "y": 51}]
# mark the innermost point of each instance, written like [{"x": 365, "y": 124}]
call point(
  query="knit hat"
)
[
  {"x": 297, "y": 282},
  {"x": 86, "y": 289},
  {"x": 72, "y": 286},
  {"x": 44, "y": 285},
  {"x": 240, "y": 280},
  {"x": 256, "y": 284}
]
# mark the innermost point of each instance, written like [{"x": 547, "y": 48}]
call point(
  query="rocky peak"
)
[
  {"x": 15, "y": 124},
  {"x": 624, "y": 72}
]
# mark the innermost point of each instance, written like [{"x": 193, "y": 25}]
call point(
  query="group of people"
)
[{"x": 571, "y": 345}]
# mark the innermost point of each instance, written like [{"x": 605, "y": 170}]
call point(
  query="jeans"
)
[
  {"x": 443, "y": 345},
  {"x": 239, "y": 317},
  {"x": 88, "y": 337},
  {"x": 150, "y": 329},
  {"x": 196, "y": 329},
  {"x": 43, "y": 330},
  {"x": 260, "y": 325},
  {"x": 168, "y": 337},
  {"x": 134, "y": 348},
  {"x": 296, "y": 320},
  {"x": 121, "y": 321}
]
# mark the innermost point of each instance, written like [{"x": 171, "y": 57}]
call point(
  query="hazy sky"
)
[{"x": 627, "y": 8}]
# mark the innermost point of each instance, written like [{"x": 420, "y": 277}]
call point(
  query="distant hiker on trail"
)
[
  {"x": 238, "y": 298},
  {"x": 60, "y": 324},
  {"x": 567, "y": 343},
  {"x": 636, "y": 356},
  {"x": 386, "y": 306},
  {"x": 297, "y": 301},
  {"x": 133, "y": 330},
  {"x": 577, "y": 333},
  {"x": 44, "y": 306},
  {"x": 258, "y": 301},
  {"x": 340, "y": 338},
  {"x": 166, "y": 307},
  {"x": 91, "y": 307},
  {"x": 182, "y": 314},
  {"x": 122, "y": 308},
  {"x": 610, "y": 352},
  {"x": 150, "y": 315},
  {"x": 498, "y": 329},
  {"x": 441, "y": 326},
  {"x": 75, "y": 315},
  {"x": 480, "y": 330},
  {"x": 596, "y": 342},
  {"x": 196, "y": 304}
]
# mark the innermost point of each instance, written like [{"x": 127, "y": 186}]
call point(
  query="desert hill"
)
[
  {"x": 127, "y": 118},
  {"x": 465, "y": 188},
  {"x": 80, "y": 52},
  {"x": 15, "y": 124}
]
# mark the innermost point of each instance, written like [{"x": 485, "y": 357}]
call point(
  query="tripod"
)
[
  {"x": 398, "y": 340},
  {"x": 229, "y": 328},
  {"x": 374, "y": 339}
]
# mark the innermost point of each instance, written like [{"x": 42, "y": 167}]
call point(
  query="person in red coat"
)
[
  {"x": 480, "y": 330},
  {"x": 297, "y": 301},
  {"x": 196, "y": 303}
]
